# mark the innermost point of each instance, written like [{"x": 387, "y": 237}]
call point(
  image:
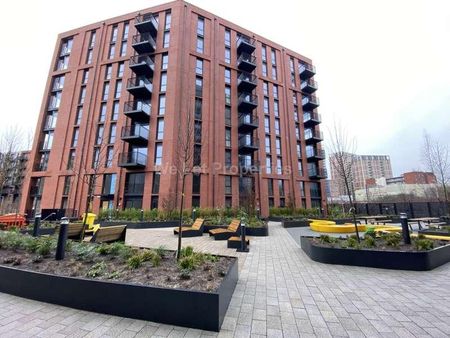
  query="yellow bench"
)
[
  {"x": 333, "y": 228},
  {"x": 442, "y": 238}
]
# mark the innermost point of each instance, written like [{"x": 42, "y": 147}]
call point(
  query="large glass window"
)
[
  {"x": 201, "y": 26},
  {"x": 166, "y": 39},
  {"x": 165, "y": 61},
  {"x": 112, "y": 133},
  {"x": 199, "y": 66},
  {"x": 109, "y": 184},
  {"x": 160, "y": 129},
  {"x": 168, "y": 20},
  {"x": 228, "y": 187},
  {"x": 76, "y": 134},
  {"x": 118, "y": 89},
  {"x": 158, "y": 153},
  {"x": 105, "y": 91},
  {"x": 162, "y": 104},
  {"x": 200, "y": 44},
  {"x": 227, "y": 76},
  {"x": 163, "y": 85},
  {"x": 198, "y": 86}
]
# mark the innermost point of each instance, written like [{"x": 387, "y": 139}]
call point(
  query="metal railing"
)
[
  {"x": 248, "y": 119},
  {"x": 135, "y": 130},
  {"x": 309, "y": 82},
  {"x": 311, "y": 116},
  {"x": 303, "y": 67},
  {"x": 139, "y": 82},
  {"x": 245, "y": 57},
  {"x": 136, "y": 105},
  {"x": 133, "y": 157},
  {"x": 310, "y": 99},
  {"x": 310, "y": 133},
  {"x": 144, "y": 58},
  {"x": 248, "y": 98},
  {"x": 147, "y": 17},
  {"x": 144, "y": 37},
  {"x": 319, "y": 153},
  {"x": 245, "y": 76},
  {"x": 248, "y": 141},
  {"x": 317, "y": 172},
  {"x": 245, "y": 39}
]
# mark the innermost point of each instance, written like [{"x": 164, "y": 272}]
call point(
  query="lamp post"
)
[
  {"x": 62, "y": 237},
  {"x": 243, "y": 247},
  {"x": 405, "y": 229}
]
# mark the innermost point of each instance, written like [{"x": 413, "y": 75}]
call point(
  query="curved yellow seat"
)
[
  {"x": 442, "y": 238},
  {"x": 333, "y": 228},
  {"x": 321, "y": 221},
  {"x": 388, "y": 228}
]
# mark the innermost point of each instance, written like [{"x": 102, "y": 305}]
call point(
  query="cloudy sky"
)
[{"x": 383, "y": 66}]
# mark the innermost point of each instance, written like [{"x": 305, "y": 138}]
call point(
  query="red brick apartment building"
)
[{"x": 118, "y": 92}]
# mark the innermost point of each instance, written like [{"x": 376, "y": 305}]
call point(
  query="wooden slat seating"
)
[
  {"x": 223, "y": 234},
  {"x": 73, "y": 230},
  {"x": 109, "y": 234},
  {"x": 234, "y": 242},
  {"x": 195, "y": 230}
]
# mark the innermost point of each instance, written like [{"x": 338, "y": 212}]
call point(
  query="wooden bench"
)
[
  {"x": 234, "y": 242},
  {"x": 109, "y": 234},
  {"x": 195, "y": 230},
  {"x": 223, "y": 234},
  {"x": 73, "y": 230}
]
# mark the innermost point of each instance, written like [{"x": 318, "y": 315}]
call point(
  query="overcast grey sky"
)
[{"x": 383, "y": 66}]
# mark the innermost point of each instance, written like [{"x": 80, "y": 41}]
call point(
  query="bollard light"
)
[
  {"x": 62, "y": 237},
  {"x": 405, "y": 228},
  {"x": 36, "y": 225},
  {"x": 243, "y": 247}
]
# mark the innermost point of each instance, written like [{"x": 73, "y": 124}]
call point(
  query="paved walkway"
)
[{"x": 281, "y": 293}]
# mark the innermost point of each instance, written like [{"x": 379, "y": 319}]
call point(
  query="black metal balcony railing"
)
[
  {"x": 311, "y": 118},
  {"x": 248, "y": 101},
  {"x": 146, "y": 23},
  {"x": 315, "y": 154},
  {"x": 317, "y": 173},
  {"x": 313, "y": 136},
  {"x": 137, "y": 110},
  {"x": 247, "y": 166},
  {"x": 245, "y": 44},
  {"x": 247, "y": 82},
  {"x": 138, "y": 86},
  {"x": 306, "y": 71},
  {"x": 310, "y": 102},
  {"x": 136, "y": 134},
  {"x": 308, "y": 86},
  {"x": 132, "y": 159},
  {"x": 248, "y": 144},
  {"x": 143, "y": 43},
  {"x": 248, "y": 122},
  {"x": 142, "y": 64},
  {"x": 246, "y": 62}
]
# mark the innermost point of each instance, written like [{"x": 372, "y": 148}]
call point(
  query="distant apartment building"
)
[
  {"x": 118, "y": 96},
  {"x": 365, "y": 169},
  {"x": 13, "y": 167}
]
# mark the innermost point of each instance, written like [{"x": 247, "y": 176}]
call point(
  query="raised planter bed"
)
[
  {"x": 257, "y": 231},
  {"x": 190, "y": 308},
  {"x": 42, "y": 231},
  {"x": 384, "y": 259},
  {"x": 295, "y": 223},
  {"x": 141, "y": 225}
]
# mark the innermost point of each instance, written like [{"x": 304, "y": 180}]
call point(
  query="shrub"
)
[
  {"x": 369, "y": 241},
  {"x": 156, "y": 260},
  {"x": 116, "y": 248},
  {"x": 187, "y": 251},
  {"x": 31, "y": 244},
  {"x": 134, "y": 261},
  {"x": 423, "y": 244},
  {"x": 147, "y": 255},
  {"x": 326, "y": 239},
  {"x": 103, "y": 249},
  {"x": 187, "y": 263},
  {"x": 211, "y": 258},
  {"x": 392, "y": 239},
  {"x": 161, "y": 251},
  {"x": 44, "y": 247},
  {"x": 370, "y": 231},
  {"x": 98, "y": 269},
  {"x": 185, "y": 274}
]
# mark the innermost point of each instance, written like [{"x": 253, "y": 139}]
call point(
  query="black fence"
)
[{"x": 413, "y": 209}]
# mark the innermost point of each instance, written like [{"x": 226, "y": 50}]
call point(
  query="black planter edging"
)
[
  {"x": 190, "y": 308},
  {"x": 275, "y": 218},
  {"x": 141, "y": 225},
  {"x": 295, "y": 224},
  {"x": 261, "y": 231},
  {"x": 434, "y": 233},
  {"x": 42, "y": 231},
  {"x": 398, "y": 260}
]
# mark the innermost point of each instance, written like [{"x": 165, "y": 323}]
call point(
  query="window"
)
[
  {"x": 78, "y": 116},
  {"x": 85, "y": 76},
  {"x": 81, "y": 98},
  {"x": 195, "y": 201},
  {"x": 112, "y": 51},
  {"x": 279, "y": 166},
  {"x": 115, "y": 29},
  {"x": 134, "y": 183},
  {"x": 108, "y": 71},
  {"x": 112, "y": 133},
  {"x": 109, "y": 157},
  {"x": 168, "y": 20},
  {"x": 63, "y": 63},
  {"x": 274, "y": 72},
  {"x": 71, "y": 160},
  {"x": 278, "y": 145},
  {"x": 270, "y": 186},
  {"x": 156, "y": 180},
  {"x": 291, "y": 65},
  {"x": 227, "y": 95},
  {"x": 227, "y": 116},
  {"x": 293, "y": 80},
  {"x": 275, "y": 91},
  {"x": 264, "y": 69},
  {"x": 281, "y": 187},
  {"x": 302, "y": 189},
  {"x": 197, "y": 132},
  {"x": 227, "y": 158},
  {"x": 120, "y": 69},
  {"x": 227, "y": 55},
  {"x": 228, "y": 187},
  {"x": 276, "y": 108},
  {"x": 267, "y": 124},
  {"x": 102, "y": 116},
  {"x": 115, "y": 111},
  {"x": 58, "y": 83},
  {"x": 295, "y": 113},
  {"x": 99, "y": 137},
  {"x": 162, "y": 104},
  {"x": 166, "y": 39},
  {"x": 55, "y": 100},
  {"x": 197, "y": 155},
  {"x": 277, "y": 127},
  {"x": 199, "y": 67},
  {"x": 89, "y": 56},
  {"x": 227, "y": 137},
  {"x": 268, "y": 148},
  {"x": 200, "y": 44},
  {"x": 160, "y": 129},
  {"x": 126, "y": 30},
  {"x": 163, "y": 85},
  {"x": 264, "y": 53},
  {"x": 154, "y": 202},
  {"x": 227, "y": 76},
  {"x": 123, "y": 48},
  {"x": 268, "y": 164},
  {"x": 196, "y": 179},
  {"x": 105, "y": 91},
  {"x": 227, "y": 37},
  {"x": 294, "y": 98},
  {"x": 266, "y": 88},
  {"x": 299, "y": 150},
  {"x": 228, "y": 201},
  {"x": 76, "y": 134},
  {"x": 118, "y": 89},
  {"x": 158, "y": 154},
  {"x": 266, "y": 105},
  {"x": 198, "y": 108},
  {"x": 66, "y": 46},
  {"x": 198, "y": 86},
  {"x": 201, "y": 26},
  {"x": 66, "y": 186},
  {"x": 273, "y": 57},
  {"x": 297, "y": 131},
  {"x": 300, "y": 168},
  {"x": 165, "y": 61},
  {"x": 109, "y": 184}
]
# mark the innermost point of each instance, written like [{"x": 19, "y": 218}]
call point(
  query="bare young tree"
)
[
  {"x": 184, "y": 162},
  {"x": 436, "y": 157},
  {"x": 342, "y": 159}
]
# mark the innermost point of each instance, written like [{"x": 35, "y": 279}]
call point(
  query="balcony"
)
[
  {"x": 142, "y": 65},
  {"x": 317, "y": 173},
  {"x": 132, "y": 160},
  {"x": 247, "y": 123},
  {"x": 140, "y": 87},
  {"x": 247, "y": 102},
  {"x": 310, "y": 102},
  {"x": 245, "y": 44},
  {"x": 306, "y": 71},
  {"x": 247, "y": 166},
  {"x": 135, "y": 134},
  {"x": 247, "y": 82},
  {"x": 138, "y": 111},
  {"x": 247, "y": 145},
  {"x": 308, "y": 86},
  {"x": 315, "y": 155},
  {"x": 146, "y": 23},
  {"x": 311, "y": 119},
  {"x": 313, "y": 136},
  {"x": 143, "y": 43},
  {"x": 246, "y": 62}
]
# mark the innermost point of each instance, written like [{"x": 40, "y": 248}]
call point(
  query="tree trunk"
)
[
  {"x": 181, "y": 217},
  {"x": 88, "y": 202},
  {"x": 353, "y": 206}
]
